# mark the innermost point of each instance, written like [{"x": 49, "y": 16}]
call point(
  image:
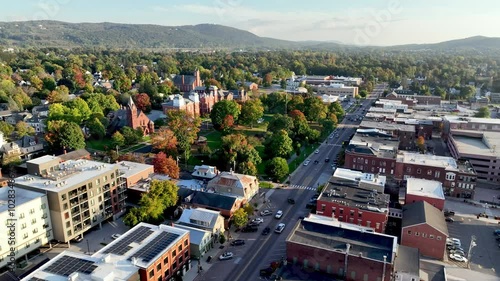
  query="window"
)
[
  {"x": 431, "y": 236},
  {"x": 419, "y": 171},
  {"x": 158, "y": 267},
  {"x": 174, "y": 253},
  {"x": 185, "y": 242},
  {"x": 68, "y": 232},
  {"x": 417, "y": 233},
  {"x": 438, "y": 238},
  {"x": 377, "y": 225},
  {"x": 180, "y": 248},
  {"x": 181, "y": 259},
  {"x": 352, "y": 212},
  {"x": 165, "y": 260},
  {"x": 408, "y": 169},
  {"x": 21, "y": 216},
  {"x": 167, "y": 273},
  {"x": 341, "y": 211},
  {"x": 151, "y": 273},
  {"x": 160, "y": 278},
  {"x": 437, "y": 174},
  {"x": 186, "y": 254},
  {"x": 360, "y": 214},
  {"x": 409, "y": 232},
  {"x": 174, "y": 265},
  {"x": 43, "y": 206},
  {"x": 424, "y": 235},
  {"x": 323, "y": 206},
  {"x": 366, "y": 161},
  {"x": 368, "y": 223},
  {"x": 63, "y": 197},
  {"x": 429, "y": 172}
]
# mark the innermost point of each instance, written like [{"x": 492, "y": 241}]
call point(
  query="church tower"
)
[{"x": 132, "y": 113}]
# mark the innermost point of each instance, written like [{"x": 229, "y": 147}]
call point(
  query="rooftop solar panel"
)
[
  {"x": 66, "y": 265},
  {"x": 156, "y": 246},
  {"x": 122, "y": 246}
]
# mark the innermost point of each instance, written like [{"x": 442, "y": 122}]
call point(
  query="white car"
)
[
  {"x": 457, "y": 257},
  {"x": 331, "y": 136},
  {"x": 279, "y": 228},
  {"x": 266, "y": 213},
  {"x": 226, "y": 256},
  {"x": 307, "y": 162},
  {"x": 115, "y": 236},
  {"x": 279, "y": 214},
  {"x": 317, "y": 151},
  {"x": 453, "y": 242},
  {"x": 258, "y": 220}
]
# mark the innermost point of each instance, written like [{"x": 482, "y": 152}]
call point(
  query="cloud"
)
[{"x": 161, "y": 9}]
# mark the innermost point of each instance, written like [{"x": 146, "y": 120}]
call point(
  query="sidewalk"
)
[{"x": 215, "y": 252}]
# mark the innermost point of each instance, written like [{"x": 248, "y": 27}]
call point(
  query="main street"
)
[{"x": 260, "y": 250}]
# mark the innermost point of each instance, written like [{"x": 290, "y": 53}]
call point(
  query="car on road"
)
[
  {"x": 448, "y": 219},
  {"x": 457, "y": 257},
  {"x": 258, "y": 220},
  {"x": 266, "y": 213},
  {"x": 266, "y": 231},
  {"x": 115, "y": 236},
  {"x": 316, "y": 161},
  {"x": 226, "y": 256},
  {"x": 327, "y": 160},
  {"x": 333, "y": 167},
  {"x": 250, "y": 228},
  {"x": 448, "y": 213},
  {"x": 291, "y": 200},
  {"x": 317, "y": 151},
  {"x": 496, "y": 232},
  {"x": 238, "y": 242},
  {"x": 279, "y": 214},
  {"x": 307, "y": 162},
  {"x": 279, "y": 228},
  {"x": 331, "y": 136}
]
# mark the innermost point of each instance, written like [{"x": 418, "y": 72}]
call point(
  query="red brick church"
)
[
  {"x": 187, "y": 83},
  {"x": 132, "y": 117}
]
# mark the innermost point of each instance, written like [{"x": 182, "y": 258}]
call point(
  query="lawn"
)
[
  {"x": 213, "y": 140},
  {"x": 101, "y": 145}
]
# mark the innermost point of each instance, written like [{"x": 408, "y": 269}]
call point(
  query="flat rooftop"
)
[
  {"x": 129, "y": 169},
  {"x": 355, "y": 197},
  {"x": 382, "y": 110},
  {"x": 384, "y": 126},
  {"x": 477, "y": 143},
  {"x": 370, "y": 245},
  {"x": 459, "y": 119},
  {"x": 448, "y": 163},
  {"x": 357, "y": 176},
  {"x": 69, "y": 174},
  {"x": 427, "y": 188},
  {"x": 23, "y": 196}
]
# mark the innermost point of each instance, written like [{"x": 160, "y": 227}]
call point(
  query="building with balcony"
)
[
  {"x": 425, "y": 190},
  {"x": 81, "y": 193},
  {"x": 424, "y": 228},
  {"x": 30, "y": 220},
  {"x": 145, "y": 252},
  {"x": 354, "y": 204},
  {"x": 345, "y": 251}
]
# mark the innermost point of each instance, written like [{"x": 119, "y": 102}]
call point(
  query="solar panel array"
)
[
  {"x": 66, "y": 265},
  {"x": 122, "y": 246},
  {"x": 156, "y": 246}
]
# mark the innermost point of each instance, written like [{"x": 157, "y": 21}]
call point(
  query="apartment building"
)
[
  {"x": 31, "y": 219},
  {"x": 146, "y": 253},
  {"x": 359, "y": 179},
  {"x": 81, "y": 193},
  {"x": 406, "y": 134},
  {"x": 337, "y": 90},
  {"x": 425, "y": 190}
]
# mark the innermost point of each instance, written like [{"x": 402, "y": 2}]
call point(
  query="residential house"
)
[
  {"x": 205, "y": 172},
  {"x": 224, "y": 204},
  {"x": 201, "y": 241},
  {"x": 202, "y": 218},
  {"x": 233, "y": 184},
  {"x": 424, "y": 227}
]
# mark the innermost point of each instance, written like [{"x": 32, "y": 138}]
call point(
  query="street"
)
[{"x": 260, "y": 250}]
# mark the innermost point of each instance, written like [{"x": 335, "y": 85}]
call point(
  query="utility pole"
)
[{"x": 348, "y": 247}]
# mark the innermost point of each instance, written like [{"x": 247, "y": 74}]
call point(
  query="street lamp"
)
[
  {"x": 88, "y": 247},
  {"x": 348, "y": 246},
  {"x": 383, "y": 270},
  {"x": 472, "y": 245}
]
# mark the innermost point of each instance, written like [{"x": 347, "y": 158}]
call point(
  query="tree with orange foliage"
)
[
  {"x": 143, "y": 102},
  {"x": 421, "y": 143},
  {"x": 166, "y": 165},
  {"x": 164, "y": 140}
]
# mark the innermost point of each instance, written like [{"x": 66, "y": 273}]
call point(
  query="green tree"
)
[
  {"x": 336, "y": 108},
  {"x": 280, "y": 122},
  {"x": 283, "y": 84},
  {"x": 240, "y": 218},
  {"x": 222, "y": 109},
  {"x": 96, "y": 128},
  {"x": 277, "y": 168},
  {"x": 6, "y": 128},
  {"x": 62, "y": 135},
  {"x": 49, "y": 83},
  {"x": 118, "y": 139},
  {"x": 23, "y": 129},
  {"x": 314, "y": 109},
  {"x": 133, "y": 217},
  {"x": 222, "y": 238},
  {"x": 237, "y": 148},
  {"x": 78, "y": 110},
  {"x": 130, "y": 135},
  {"x": 363, "y": 93},
  {"x": 251, "y": 112},
  {"x": 279, "y": 145},
  {"x": 483, "y": 112}
]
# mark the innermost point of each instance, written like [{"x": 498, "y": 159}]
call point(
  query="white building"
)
[
  {"x": 338, "y": 90},
  {"x": 359, "y": 179},
  {"x": 204, "y": 219},
  {"x": 205, "y": 172},
  {"x": 32, "y": 225}
]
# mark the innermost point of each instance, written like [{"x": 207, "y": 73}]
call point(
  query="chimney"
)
[{"x": 182, "y": 79}]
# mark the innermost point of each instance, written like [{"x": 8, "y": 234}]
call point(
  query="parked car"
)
[
  {"x": 258, "y": 220},
  {"x": 250, "y": 228},
  {"x": 226, "y": 256},
  {"x": 316, "y": 161},
  {"x": 449, "y": 213},
  {"x": 266, "y": 231},
  {"x": 115, "y": 236},
  {"x": 458, "y": 252},
  {"x": 453, "y": 241},
  {"x": 279, "y": 214},
  {"x": 307, "y": 162},
  {"x": 77, "y": 239},
  {"x": 266, "y": 272},
  {"x": 238, "y": 242},
  {"x": 455, "y": 248},
  {"x": 448, "y": 219},
  {"x": 279, "y": 228},
  {"x": 457, "y": 257},
  {"x": 291, "y": 201},
  {"x": 266, "y": 213},
  {"x": 317, "y": 151},
  {"x": 327, "y": 160}
]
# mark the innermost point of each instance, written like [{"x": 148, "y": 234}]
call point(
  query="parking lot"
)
[{"x": 485, "y": 255}]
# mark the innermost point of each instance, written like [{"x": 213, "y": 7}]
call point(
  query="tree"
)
[
  {"x": 23, "y": 129},
  {"x": 483, "y": 112},
  {"x": 268, "y": 79},
  {"x": 248, "y": 209},
  {"x": 130, "y": 135},
  {"x": 222, "y": 238},
  {"x": 6, "y": 128},
  {"x": 133, "y": 217},
  {"x": 185, "y": 128},
  {"x": 227, "y": 124},
  {"x": 283, "y": 84},
  {"x": 421, "y": 143},
  {"x": 279, "y": 145},
  {"x": 247, "y": 168},
  {"x": 96, "y": 128},
  {"x": 60, "y": 94},
  {"x": 49, "y": 84},
  {"x": 236, "y": 148},
  {"x": 118, "y": 139},
  {"x": 166, "y": 165},
  {"x": 314, "y": 109},
  {"x": 143, "y": 102},
  {"x": 280, "y": 122},
  {"x": 161, "y": 195},
  {"x": 251, "y": 112},
  {"x": 64, "y": 135},
  {"x": 277, "y": 168},
  {"x": 336, "y": 108},
  {"x": 164, "y": 140},
  {"x": 222, "y": 109},
  {"x": 467, "y": 92},
  {"x": 240, "y": 218},
  {"x": 363, "y": 93}
]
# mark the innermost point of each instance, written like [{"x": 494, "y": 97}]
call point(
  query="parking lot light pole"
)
[
  {"x": 472, "y": 245},
  {"x": 383, "y": 270}
]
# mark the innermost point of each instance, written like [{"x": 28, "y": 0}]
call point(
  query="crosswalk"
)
[{"x": 294, "y": 186}]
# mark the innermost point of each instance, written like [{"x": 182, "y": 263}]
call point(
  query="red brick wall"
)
[
  {"x": 426, "y": 241},
  {"x": 332, "y": 262},
  {"x": 369, "y": 163},
  {"x": 366, "y": 216},
  {"x": 438, "y": 203},
  {"x": 139, "y": 176}
]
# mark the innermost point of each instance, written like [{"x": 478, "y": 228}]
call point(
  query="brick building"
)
[
  {"x": 425, "y": 190},
  {"x": 424, "y": 227},
  {"x": 146, "y": 253},
  {"x": 413, "y": 99},
  {"x": 336, "y": 248},
  {"x": 360, "y": 205},
  {"x": 406, "y": 134},
  {"x": 132, "y": 117},
  {"x": 187, "y": 83}
]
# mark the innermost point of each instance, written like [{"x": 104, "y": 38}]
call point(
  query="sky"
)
[{"x": 360, "y": 22}]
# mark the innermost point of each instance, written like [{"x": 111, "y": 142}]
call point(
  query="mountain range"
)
[{"x": 202, "y": 36}]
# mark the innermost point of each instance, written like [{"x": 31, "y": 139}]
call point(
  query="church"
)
[{"x": 132, "y": 117}]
